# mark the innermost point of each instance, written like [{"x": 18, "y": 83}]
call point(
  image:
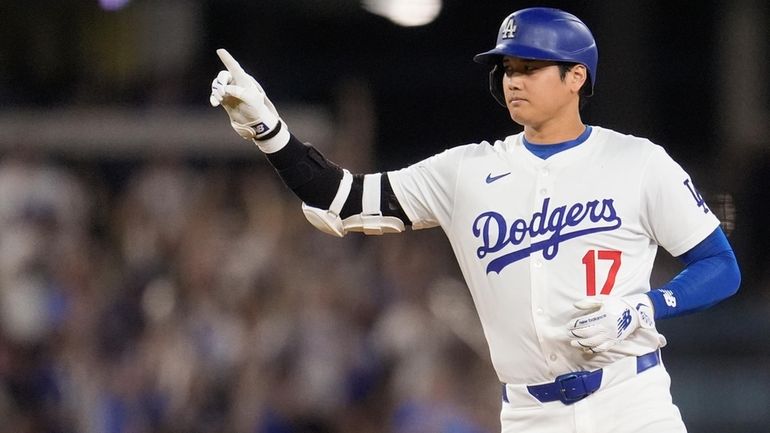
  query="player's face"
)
[{"x": 535, "y": 93}]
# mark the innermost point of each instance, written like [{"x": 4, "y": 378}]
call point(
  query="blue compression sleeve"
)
[{"x": 710, "y": 275}]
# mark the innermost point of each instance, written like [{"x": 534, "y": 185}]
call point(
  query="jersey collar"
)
[{"x": 547, "y": 151}]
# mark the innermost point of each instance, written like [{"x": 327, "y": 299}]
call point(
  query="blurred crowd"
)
[
  {"x": 190, "y": 299},
  {"x": 173, "y": 296}
]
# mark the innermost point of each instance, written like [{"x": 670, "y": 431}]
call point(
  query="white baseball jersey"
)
[{"x": 534, "y": 236}]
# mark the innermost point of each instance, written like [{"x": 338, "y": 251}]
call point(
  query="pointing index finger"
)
[{"x": 232, "y": 65}]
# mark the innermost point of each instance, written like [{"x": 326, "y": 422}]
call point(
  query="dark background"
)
[{"x": 690, "y": 76}]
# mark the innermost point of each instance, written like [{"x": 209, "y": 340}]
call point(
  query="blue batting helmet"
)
[{"x": 541, "y": 34}]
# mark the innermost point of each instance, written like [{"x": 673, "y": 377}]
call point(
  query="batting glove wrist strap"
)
[
  {"x": 642, "y": 307},
  {"x": 274, "y": 140},
  {"x": 608, "y": 320}
]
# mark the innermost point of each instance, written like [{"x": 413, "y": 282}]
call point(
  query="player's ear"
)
[{"x": 577, "y": 77}]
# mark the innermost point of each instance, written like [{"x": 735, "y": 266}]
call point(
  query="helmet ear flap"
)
[{"x": 496, "y": 84}]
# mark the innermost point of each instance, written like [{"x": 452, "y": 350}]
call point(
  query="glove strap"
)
[
  {"x": 643, "y": 307},
  {"x": 275, "y": 140},
  {"x": 272, "y": 133}
]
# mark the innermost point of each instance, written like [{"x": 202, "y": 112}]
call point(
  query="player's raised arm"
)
[{"x": 334, "y": 200}]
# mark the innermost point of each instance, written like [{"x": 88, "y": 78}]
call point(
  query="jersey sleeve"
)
[
  {"x": 425, "y": 190},
  {"x": 673, "y": 211}
]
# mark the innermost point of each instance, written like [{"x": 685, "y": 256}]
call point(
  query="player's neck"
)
[{"x": 554, "y": 132}]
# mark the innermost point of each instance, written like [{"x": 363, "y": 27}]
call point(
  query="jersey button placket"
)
[
  {"x": 538, "y": 269},
  {"x": 544, "y": 182},
  {"x": 538, "y": 285}
]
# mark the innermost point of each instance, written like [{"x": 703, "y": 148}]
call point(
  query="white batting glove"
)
[
  {"x": 610, "y": 320},
  {"x": 252, "y": 115}
]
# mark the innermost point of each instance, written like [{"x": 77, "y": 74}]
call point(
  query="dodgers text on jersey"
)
[{"x": 547, "y": 229}]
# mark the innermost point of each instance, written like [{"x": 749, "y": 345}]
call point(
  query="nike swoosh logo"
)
[{"x": 491, "y": 178}]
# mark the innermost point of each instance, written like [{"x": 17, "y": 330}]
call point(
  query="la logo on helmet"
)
[{"x": 509, "y": 30}]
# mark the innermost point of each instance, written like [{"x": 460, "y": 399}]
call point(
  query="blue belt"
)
[{"x": 577, "y": 385}]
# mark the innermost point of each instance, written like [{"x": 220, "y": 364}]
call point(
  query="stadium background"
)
[{"x": 155, "y": 276}]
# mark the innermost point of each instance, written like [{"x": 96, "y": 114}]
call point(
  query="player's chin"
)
[
  {"x": 519, "y": 117},
  {"x": 525, "y": 116}
]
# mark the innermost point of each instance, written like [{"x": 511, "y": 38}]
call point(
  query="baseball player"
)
[{"x": 555, "y": 230}]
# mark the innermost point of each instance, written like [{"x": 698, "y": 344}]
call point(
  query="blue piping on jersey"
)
[{"x": 545, "y": 151}]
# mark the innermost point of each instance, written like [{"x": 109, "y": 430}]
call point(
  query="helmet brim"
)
[{"x": 495, "y": 55}]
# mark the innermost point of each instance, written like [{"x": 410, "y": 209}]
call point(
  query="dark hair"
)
[{"x": 564, "y": 67}]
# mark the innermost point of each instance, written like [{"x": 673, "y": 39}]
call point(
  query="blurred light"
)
[
  {"x": 408, "y": 13},
  {"x": 113, "y": 5}
]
